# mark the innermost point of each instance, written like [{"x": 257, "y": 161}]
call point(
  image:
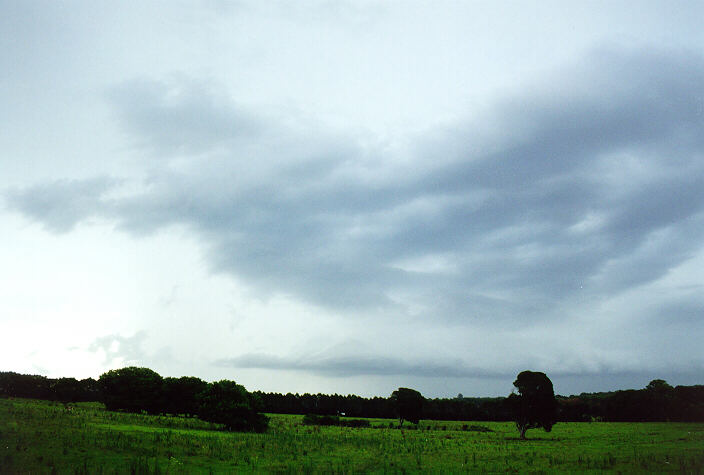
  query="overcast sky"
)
[{"x": 353, "y": 196}]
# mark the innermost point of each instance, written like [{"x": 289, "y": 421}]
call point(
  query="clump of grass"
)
[
  {"x": 316, "y": 420},
  {"x": 355, "y": 423},
  {"x": 476, "y": 428}
]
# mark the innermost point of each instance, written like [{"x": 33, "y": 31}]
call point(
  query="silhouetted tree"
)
[
  {"x": 25, "y": 385},
  {"x": 90, "y": 390},
  {"x": 689, "y": 403},
  {"x": 534, "y": 405},
  {"x": 225, "y": 402},
  {"x": 659, "y": 399},
  {"x": 67, "y": 390},
  {"x": 131, "y": 389},
  {"x": 180, "y": 395},
  {"x": 408, "y": 404}
]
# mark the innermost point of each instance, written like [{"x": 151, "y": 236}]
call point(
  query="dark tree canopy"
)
[
  {"x": 225, "y": 402},
  {"x": 658, "y": 401},
  {"x": 131, "y": 389},
  {"x": 535, "y": 404},
  {"x": 658, "y": 386},
  {"x": 180, "y": 395},
  {"x": 408, "y": 404},
  {"x": 67, "y": 389}
]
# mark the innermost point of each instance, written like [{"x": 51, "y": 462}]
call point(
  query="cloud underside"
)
[
  {"x": 590, "y": 186},
  {"x": 347, "y": 366},
  {"x": 343, "y": 366}
]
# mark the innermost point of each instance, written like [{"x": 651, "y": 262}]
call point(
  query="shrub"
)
[
  {"x": 355, "y": 423},
  {"x": 316, "y": 420}
]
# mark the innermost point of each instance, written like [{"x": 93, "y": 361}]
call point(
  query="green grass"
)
[{"x": 42, "y": 437}]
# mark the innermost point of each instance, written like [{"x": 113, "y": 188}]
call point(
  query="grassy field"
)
[{"x": 43, "y": 437}]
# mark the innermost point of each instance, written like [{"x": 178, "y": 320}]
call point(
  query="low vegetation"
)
[
  {"x": 49, "y": 437},
  {"x": 148, "y": 424},
  {"x": 316, "y": 420}
]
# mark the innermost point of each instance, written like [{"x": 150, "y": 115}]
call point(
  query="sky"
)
[{"x": 354, "y": 196}]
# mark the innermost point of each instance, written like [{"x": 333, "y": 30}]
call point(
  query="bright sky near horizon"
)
[{"x": 353, "y": 196}]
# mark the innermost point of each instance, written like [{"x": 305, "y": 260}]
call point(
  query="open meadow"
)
[{"x": 45, "y": 437}]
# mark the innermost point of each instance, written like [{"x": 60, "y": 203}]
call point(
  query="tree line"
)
[
  {"x": 141, "y": 390},
  {"x": 658, "y": 401}
]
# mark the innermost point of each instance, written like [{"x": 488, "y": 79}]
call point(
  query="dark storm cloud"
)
[
  {"x": 589, "y": 185},
  {"x": 345, "y": 366}
]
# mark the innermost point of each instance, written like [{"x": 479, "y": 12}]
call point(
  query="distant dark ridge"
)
[{"x": 656, "y": 402}]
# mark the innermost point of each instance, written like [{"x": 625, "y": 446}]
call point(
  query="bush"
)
[
  {"x": 355, "y": 423},
  {"x": 316, "y": 420}
]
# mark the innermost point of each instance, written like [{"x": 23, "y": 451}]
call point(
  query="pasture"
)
[{"x": 44, "y": 437}]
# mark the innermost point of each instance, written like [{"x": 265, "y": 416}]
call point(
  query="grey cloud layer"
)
[
  {"x": 60, "y": 205},
  {"x": 332, "y": 364},
  {"x": 588, "y": 187},
  {"x": 344, "y": 366},
  {"x": 187, "y": 118}
]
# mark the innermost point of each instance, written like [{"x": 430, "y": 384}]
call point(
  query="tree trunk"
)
[{"x": 523, "y": 432}]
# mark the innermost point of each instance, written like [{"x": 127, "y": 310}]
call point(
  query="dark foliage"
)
[
  {"x": 408, "y": 404},
  {"x": 323, "y": 404},
  {"x": 66, "y": 389},
  {"x": 687, "y": 404},
  {"x": 355, "y": 423},
  {"x": 316, "y": 420},
  {"x": 535, "y": 404},
  {"x": 131, "y": 389},
  {"x": 466, "y": 409},
  {"x": 40, "y": 387},
  {"x": 180, "y": 395},
  {"x": 228, "y": 403},
  {"x": 657, "y": 402},
  {"x": 25, "y": 385}
]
